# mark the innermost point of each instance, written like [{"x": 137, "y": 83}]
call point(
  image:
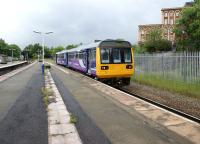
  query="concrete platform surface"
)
[
  {"x": 23, "y": 118},
  {"x": 101, "y": 117}
]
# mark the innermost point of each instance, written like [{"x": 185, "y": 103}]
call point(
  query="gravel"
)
[{"x": 180, "y": 102}]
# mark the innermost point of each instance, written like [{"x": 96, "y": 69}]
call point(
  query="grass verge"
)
[{"x": 180, "y": 87}]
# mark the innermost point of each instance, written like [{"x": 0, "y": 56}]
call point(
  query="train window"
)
[
  {"x": 79, "y": 56},
  {"x": 71, "y": 56},
  {"x": 116, "y": 55},
  {"x": 93, "y": 54},
  {"x": 127, "y": 55},
  {"x": 61, "y": 56},
  {"x": 105, "y": 58}
]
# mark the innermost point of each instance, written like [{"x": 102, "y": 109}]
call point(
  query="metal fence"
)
[{"x": 179, "y": 66}]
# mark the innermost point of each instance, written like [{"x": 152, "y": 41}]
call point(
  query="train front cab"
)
[{"x": 115, "y": 65}]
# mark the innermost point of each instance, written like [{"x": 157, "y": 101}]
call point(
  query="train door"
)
[
  {"x": 91, "y": 61},
  {"x": 66, "y": 59},
  {"x": 87, "y": 60},
  {"x": 56, "y": 59}
]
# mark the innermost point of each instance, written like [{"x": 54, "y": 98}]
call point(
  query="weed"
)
[
  {"x": 73, "y": 119},
  {"x": 46, "y": 100},
  {"x": 45, "y": 93},
  {"x": 47, "y": 66}
]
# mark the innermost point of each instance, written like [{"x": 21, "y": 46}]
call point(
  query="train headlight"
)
[
  {"x": 104, "y": 67},
  {"x": 129, "y": 66}
]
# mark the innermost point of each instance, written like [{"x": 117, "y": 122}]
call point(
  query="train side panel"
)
[{"x": 78, "y": 61}]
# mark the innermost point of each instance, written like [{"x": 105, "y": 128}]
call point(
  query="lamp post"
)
[
  {"x": 39, "y": 53},
  {"x": 42, "y": 34},
  {"x": 12, "y": 54}
]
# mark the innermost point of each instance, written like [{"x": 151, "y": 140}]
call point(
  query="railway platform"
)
[
  {"x": 118, "y": 117},
  {"x": 23, "y": 118},
  {"x": 9, "y": 64},
  {"x": 5, "y": 68}
]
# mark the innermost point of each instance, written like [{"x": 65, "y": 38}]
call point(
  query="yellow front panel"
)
[{"x": 115, "y": 70}]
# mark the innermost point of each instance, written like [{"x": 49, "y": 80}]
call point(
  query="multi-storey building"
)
[{"x": 169, "y": 17}]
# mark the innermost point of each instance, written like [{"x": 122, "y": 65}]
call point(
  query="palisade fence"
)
[{"x": 183, "y": 66}]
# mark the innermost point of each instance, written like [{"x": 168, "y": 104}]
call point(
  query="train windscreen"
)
[{"x": 115, "y": 55}]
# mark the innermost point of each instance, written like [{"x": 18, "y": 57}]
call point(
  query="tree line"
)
[
  {"x": 32, "y": 50},
  {"x": 7, "y": 49}
]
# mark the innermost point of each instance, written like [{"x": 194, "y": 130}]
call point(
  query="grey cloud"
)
[{"x": 85, "y": 20}]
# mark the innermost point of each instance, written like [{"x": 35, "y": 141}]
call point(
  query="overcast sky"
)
[{"x": 75, "y": 21}]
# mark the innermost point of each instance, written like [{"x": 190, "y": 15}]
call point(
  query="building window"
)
[
  {"x": 171, "y": 21},
  {"x": 165, "y": 21},
  {"x": 142, "y": 32},
  {"x": 166, "y": 14},
  {"x": 177, "y": 13},
  {"x": 171, "y": 14}
]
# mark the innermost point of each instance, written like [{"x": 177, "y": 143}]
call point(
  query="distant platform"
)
[{"x": 10, "y": 64}]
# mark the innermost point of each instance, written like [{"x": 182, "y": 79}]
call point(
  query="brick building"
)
[{"x": 169, "y": 17}]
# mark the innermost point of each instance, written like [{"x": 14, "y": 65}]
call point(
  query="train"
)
[{"x": 109, "y": 61}]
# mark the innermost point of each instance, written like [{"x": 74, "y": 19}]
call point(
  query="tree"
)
[
  {"x": 56, "y": 49},
  {"x": 3, "y": 47},
  {"x": 16, "y": 50},
  {"x": 47, "y": 52},
  {"x": 71, "y": 46},
  {"x": 154, "y": 35},
  {"x": 187, "y": 28},
  {"x": 120, "y": 39},
  {"x": 33, "y": 50},
  {"x": 7, "y": 49},
  {"x": 138, "y": 48},
  {"x": 155, "y": 42}
]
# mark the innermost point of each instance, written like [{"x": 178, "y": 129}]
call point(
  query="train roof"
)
[
  {"x": 93, "y": 45},
  {"x": 81, "y": 47},
  {"x": 63, "y": 51}
]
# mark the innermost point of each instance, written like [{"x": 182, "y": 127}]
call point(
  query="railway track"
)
[
  {"x": 173, "y": 110},
  {"x": 8, "y": 68}
]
